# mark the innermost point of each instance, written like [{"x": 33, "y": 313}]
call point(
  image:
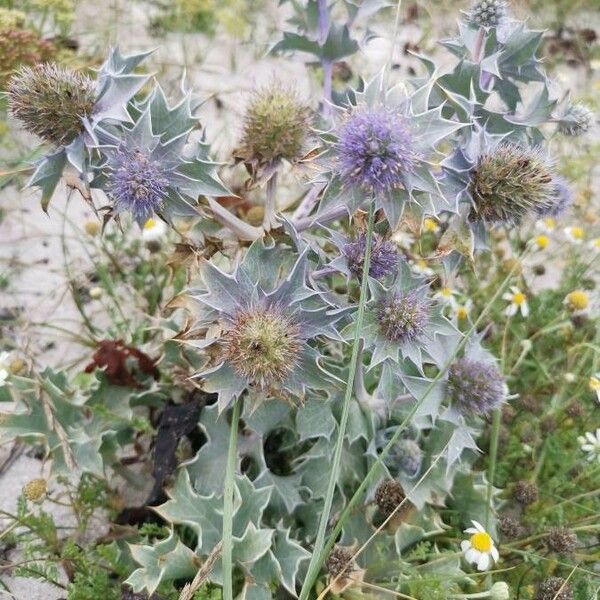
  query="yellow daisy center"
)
[
  {"x": 578, "y": 299},
  {"x": 422, "y": 263},
  {"x": 430, "y": 225},
  {"x": 542, "y": 241},
  {"x": 462, "y": 312},
  {"x": 596, "y": 243},
  {"x": 150, "y": 224},
  {"x": 550, "y": 223},
  {"x": 446, "y": 292},
  {"x": 594, "y": 384},
  {"x": 518, "y": 298},
  {"x": 577, "y": 233},
  {"x": 481, "y": 541}
]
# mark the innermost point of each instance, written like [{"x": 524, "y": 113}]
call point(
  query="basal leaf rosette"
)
[
  {"x": 64, "y": 107},
  {"x": 264, "y": 335},
  {"x": 383, "y": 149},
  {"x": 151, "y": 168},
  {"x": 403, "y": 322}
]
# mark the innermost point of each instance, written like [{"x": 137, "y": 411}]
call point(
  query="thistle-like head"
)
[
  {"x": 561, "y": 199},
  {"x": 407, "y": 454},
  {"x": 475, "y": 387},
  {"x": 263, "y": 346},
  {"x": 375, "y": 150},
  {"x": 388, "y": 496},
  {"x": 509, "y": 183},
  {"x": 51, "y": 101},
  {"x": 487, "y": 13},
  {"x": 137, "y": 183},
  {"x": 577, "y": 120},
  {"x": 554, "y": 588},
  {"x": 384, "y": 256},
  {"x": 276, "y": 126},
  {"x": 402, "y": 316}
]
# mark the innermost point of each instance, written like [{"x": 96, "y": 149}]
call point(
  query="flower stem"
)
[
  {"x": 316, "y": 559},
  {"x": 228, "y": 504},
  {"x": 399, "y": 430},
  {"x": 492, "y": 467}
]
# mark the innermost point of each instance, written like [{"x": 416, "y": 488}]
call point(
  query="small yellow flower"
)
[
  {"x": 430, "y": 225},
  {"x": 546, "y": 225},
  {"x": 575, "y": 234},
  {"x": 35, "y": 490},
  {"x": 446, "y": 296},
  {"x": 92, "y": 227},
  {"x": 518, "y": 302},
  {"x": 595, "y": 245},
  {"x": 462, "y": 311},
  {"x": 420, "y": 267},
  {"x": 541, "y": 241},
  {"x": 479, "y": 549},
  {"x": 577, "y": 300},
  {"x": 594, "y": 384}
]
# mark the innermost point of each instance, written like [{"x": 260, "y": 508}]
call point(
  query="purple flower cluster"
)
[
  {"x": 475, "y": 387},
  {"x": 384, "y": 256},
  {"x": 376, "y": 150},
  {"x": 563, "y": 198},
  {"x": 137, "y": 184},
  {"x": 402, "y": 316}
]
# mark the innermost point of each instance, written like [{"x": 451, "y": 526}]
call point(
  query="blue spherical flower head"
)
[
  {"x": 562, "y": 198},
  {"x": 137, "y": 184},
  {"x": 402, "y": 316},
  {"x": 384, "y": 256},
  {"x": 375, "y": 150},
  {"x": 475, "y": 387}
]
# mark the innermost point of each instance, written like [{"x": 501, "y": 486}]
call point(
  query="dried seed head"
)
[
  {"x": 578, "y": 120},
  {"x": 263, "y": 346},
  {"x": 475, "y": 387},
  {"x": 51, "y": 101},
  {"x": 510, "y": 527},
  {"x": 402, "y": 316},
  {"x": 137, "y": 184},
  {"x": 525, "y": 492},
  {"x": 574, "y": 409},
  {"x": 388, "y": 496},
  {"x": 384, "y": 256},
  {"x": 487, "y": 13},
  {"x": 561, "y": 540},
  {"x": 276, "y": 126},
  {"x": 375, "y": 150},
  {"x": 35, "y": 490},
  {"x": 554, "y": 588},
  {"x": 339, "y": 563},
  {"x": 510, "y": 183}
]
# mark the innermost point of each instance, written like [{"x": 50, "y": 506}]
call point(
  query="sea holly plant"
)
[{"x": 321, "y": 400}]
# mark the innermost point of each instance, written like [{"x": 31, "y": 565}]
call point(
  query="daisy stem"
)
[
  {"x": 492, "y": 467},
  {"x": 316, "y": 559},
  {"x": 375, "y": 468},
  {"x": 228, "y": 504}
]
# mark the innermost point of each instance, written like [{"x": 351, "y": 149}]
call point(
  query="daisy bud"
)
[
  {"x": 402, "y": 316},
  {"x": 388, "y": 496},
  {"x": 51, "y": 101},
  {"x": 475, "y": 387},
  {"x": 577, "y": 300},
  {"x": 35, "y": 490},
  {"x": 500, "y": 591},
  {"x": 561, "y": 540},
  {"x": 96, "y": 293},
  {"x": 275, "y": 126},
  {"x": 577, "y": 120},
  {"x": 92, "y": 228},
  {"x": 384, "y": 256},
  {"x": 487, "y": 13},
  {"x": 510, "y": 183},
  {"x": 525, "y": 492},
  {"x": 554, "y": 588}
]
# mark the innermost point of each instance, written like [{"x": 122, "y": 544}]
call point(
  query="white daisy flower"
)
[
  {"x": 540, "y": 242},
  {"x": 420, "y": 267},
  {"x": 547, "y": 225},
  {"x": 575, "y": 234},
  {"x": 595, "y": 244},
  {"x": 518, "y": 302},
  {"x": 446, "y": 295},
  {"x": 4, "y": 367},
  {"x": 154, "y": 230},
  {"x": 594, "y": 384},
  {"x": 479, "y": 549},
  {"x": 590, "y": 443},
  {"x": 403, "y": 239},
  {"x": 462, "y": 311}
]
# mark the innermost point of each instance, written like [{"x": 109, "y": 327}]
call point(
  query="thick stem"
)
[
  {"x": 242, "y": 230},
  {"x": 316, "y": 559},
  {"x": 308, "y": 203},
  {"x": 270, "y": 219},
  {"x": 326, "y": 65},
  {"x": 228, "y": 504}
]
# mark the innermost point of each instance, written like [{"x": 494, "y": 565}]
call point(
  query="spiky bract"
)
[
  {"x": 51, "y": 101},
  {"x": 276, "y": 126},
  {"x": 475, "y": 387},
  {"x": 487, "y": 13},
  {"x": 384, "y": 256},
  {"x": 375, "y": 150},
  {"x": 509, "y": 183},
  {"x": 263, "y": 346},
  {"x": 577, "y": 120},
  {"x": 402, "y": 316}
]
